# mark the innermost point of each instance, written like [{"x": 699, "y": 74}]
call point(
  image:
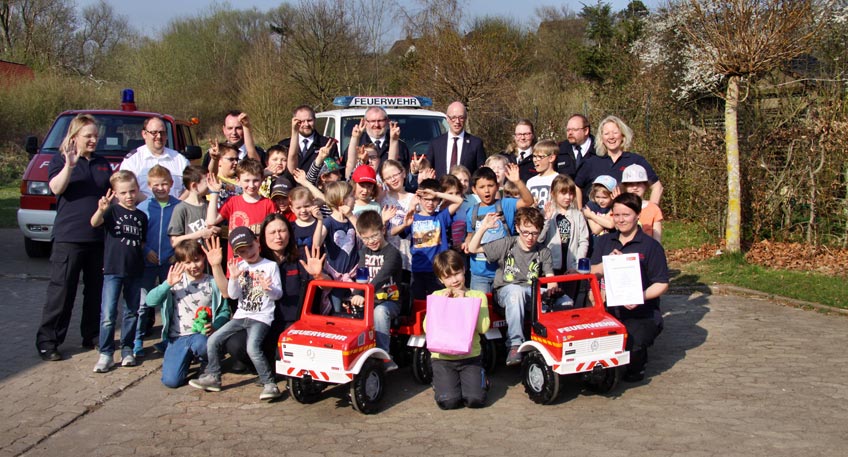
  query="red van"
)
[{"x": 119, "y": 133}]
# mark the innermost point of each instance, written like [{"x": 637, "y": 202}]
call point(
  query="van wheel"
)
[
  {"x": 305, "y": 392},
  {"x": 540, "y": 381},
  {"x": 36, "y": 249},
  {"x": 422, "y": 369},
  {"x": 366, "y": 390}
]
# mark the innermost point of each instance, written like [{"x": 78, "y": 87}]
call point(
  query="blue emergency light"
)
[{"x": 382, "y": 101}]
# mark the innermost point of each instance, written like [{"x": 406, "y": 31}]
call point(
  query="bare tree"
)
[
  {"x": 102, "y": 30},
  {"x": 739, "y": 39}
]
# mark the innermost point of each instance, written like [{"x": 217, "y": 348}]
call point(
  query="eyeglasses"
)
[
  {"x": 369, "y": 239},
  {"x": 156, "y": 132},
  {"x": 376, "y": 121},
  {"x": 306, "y": 121},
  {"x": 373, "y": 158},
  {"x": 393, "y": 177},
  {"x": 457, "y": 118},
  {"x": 232, "y": 159},
  {"x": 576, "y": 130},
  {"x": 540, "y": 157},
  {"x": 523, "y": 134},
  {"x": 528, "y": 234}
]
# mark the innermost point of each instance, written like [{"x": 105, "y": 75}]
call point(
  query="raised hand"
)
[
  {"x": 233, "y": 268},
  {"x": 549, "y": 210},
  {"x": 324, "y": 152},
  {"x": 105, "y": 201},
  {"x": 212, "y": 248},
  {"x": 415, "y": 163},
  {"x": 394, "y": 130},
  {"x": 314, "y": 264},
  {"x": 316, "y": 212},
  {"x": 358, "y": 129},
  {"x": 490, "y": 221},
  {"x": 299, "y": 176},
  {"x": 175, "y": 273},
  {"x": 389, "y": 212},
  {"x": 71, "y": 154},
  {"x": 244, "y": 120},
  {"x": 295, "y": 126},
  {"x": 213, "y": 182},
  {"x": 264, "y": 281},
  {"x": 429, "y": 173},
  {"x": 512, "y": 172},
  {"x": 214, "y": 153}
]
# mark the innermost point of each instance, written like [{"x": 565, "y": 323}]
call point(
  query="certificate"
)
[{"x": 623, "y": 279}]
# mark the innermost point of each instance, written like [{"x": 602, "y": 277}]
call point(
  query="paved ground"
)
[{"x": 729, "y": 376}]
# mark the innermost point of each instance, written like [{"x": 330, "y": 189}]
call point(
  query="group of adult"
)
[{"x": 79, "y": 178}]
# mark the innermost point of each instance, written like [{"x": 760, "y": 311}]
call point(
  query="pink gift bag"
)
[{"x": 451, "y": 324}]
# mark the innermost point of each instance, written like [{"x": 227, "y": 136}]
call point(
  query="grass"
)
[
  {"x": 10, "y": 195},
  {"x": 733, "y": 269}
]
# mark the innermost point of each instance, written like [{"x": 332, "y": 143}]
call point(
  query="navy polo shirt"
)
[
  {"x": 652, "y": 263},
  {"x": 75, "y": 206},
  {"x": 594, "y": 166}
]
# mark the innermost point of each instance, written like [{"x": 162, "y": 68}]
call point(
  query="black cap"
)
[{"x": 241, "y": 236}]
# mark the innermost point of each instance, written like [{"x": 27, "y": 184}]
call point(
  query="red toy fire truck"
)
[{"x": 566, "y": 339}]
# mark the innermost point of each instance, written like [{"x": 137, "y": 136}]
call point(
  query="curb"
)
[{"x": 724, "y": 289}]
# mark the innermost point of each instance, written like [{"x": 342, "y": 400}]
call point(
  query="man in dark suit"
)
[
  {"x": 377, "y": 132},
  {"x": 579, "y": 144},
  {"x": 457, "y": 147},
  {"x": 308, "y": 139}
]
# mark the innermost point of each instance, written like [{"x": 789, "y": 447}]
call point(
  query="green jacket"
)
[{"x": 161, "y": 296}]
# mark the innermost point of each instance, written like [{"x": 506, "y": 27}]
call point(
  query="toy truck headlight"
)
[{"x": 37, "y": 188}]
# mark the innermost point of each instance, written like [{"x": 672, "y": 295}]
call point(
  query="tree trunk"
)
[{"x": 733, "y": 226}]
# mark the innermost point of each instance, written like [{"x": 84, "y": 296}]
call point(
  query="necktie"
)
[
  {"x": 305, "y": 145},
  {"x": 578, "y": 156},
  {"x": 379, "y": 145},
  {"x": 454, "y": 153}
]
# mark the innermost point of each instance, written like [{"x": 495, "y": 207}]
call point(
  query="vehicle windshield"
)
[
  {"x": 117, "y": 134},
  {"x": 415, "y": 130}
]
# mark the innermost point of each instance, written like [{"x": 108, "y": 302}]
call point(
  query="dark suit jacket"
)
[
  {"x": 473, "y": 154},
  {"x": 565, "y": 158},
  {"x": 307, "y": 157},
  {"x": 526, "y": 169},
  {"x": 403, "y": 151}
]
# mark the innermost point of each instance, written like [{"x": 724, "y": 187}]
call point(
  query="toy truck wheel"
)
[
  {"x": 422, "y": 370},
  {"x": 303, "y": 391},
  {"x": 366, "y": 390},
  {"x": 605, "y": 381},
  {"x": 540, "y": 381},
  {"x": 488, "y": 354}
]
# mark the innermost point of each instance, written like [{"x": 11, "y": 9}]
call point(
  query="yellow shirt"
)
[{"x": 482, "y": 326}]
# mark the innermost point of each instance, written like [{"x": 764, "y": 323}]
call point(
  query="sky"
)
[{"x": 150, "y": 16}]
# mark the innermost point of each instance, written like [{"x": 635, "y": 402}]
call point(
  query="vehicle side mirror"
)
[
  {"x": 193, "y": 152},
  {"x": 31, "y": 145}
]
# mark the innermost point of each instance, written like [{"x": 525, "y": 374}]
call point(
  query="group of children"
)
[{"x": 465, "y": 234}]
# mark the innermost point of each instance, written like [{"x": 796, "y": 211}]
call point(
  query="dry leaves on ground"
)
[{"x": 785, "y": 256}]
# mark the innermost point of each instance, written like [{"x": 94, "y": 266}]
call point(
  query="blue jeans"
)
[
  {"x": 178, "y": 357},
  {"x": 147, "y": 316},
  {"x": 481, "y": 283},
  {"x": 112, "y": 287},
  {"x": 256, "y": 332},
  {"x": 383, "y": 315},
  {"x": 513, "y": 297}
]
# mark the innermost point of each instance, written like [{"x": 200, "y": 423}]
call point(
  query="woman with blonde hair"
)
[{"x": 79, "y": 179}]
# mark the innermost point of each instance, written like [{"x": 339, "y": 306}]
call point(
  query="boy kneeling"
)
[
  {"x": 188, "y": 290},
  {"x": 459, "y": 379}
]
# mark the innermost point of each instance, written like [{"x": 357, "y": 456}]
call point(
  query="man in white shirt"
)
[
  {"x": 154, "y": 152},
  {"x": 457, "y": 147}
]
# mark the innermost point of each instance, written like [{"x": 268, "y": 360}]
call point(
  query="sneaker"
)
[
  {"x": 206, "y": 382},
  {"x": 389, "y": 365},
  {"x": 270, "y": 392},
  {"x": 514, "y": 357},
  {"x": 128, "y": 361},
  {"x": 104, "y": 363},
  {"x": 50, "y": 355}
]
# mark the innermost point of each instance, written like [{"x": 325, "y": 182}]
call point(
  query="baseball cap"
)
[
  {"x": 364, "y": 173},
  {"x": 330, "y": 166},
  {"x": 281, "y": 186},
  {"x": 634, "y": 173},
  {"x": 241, "y": 236},
  {"x": 607, "y": 181}
]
